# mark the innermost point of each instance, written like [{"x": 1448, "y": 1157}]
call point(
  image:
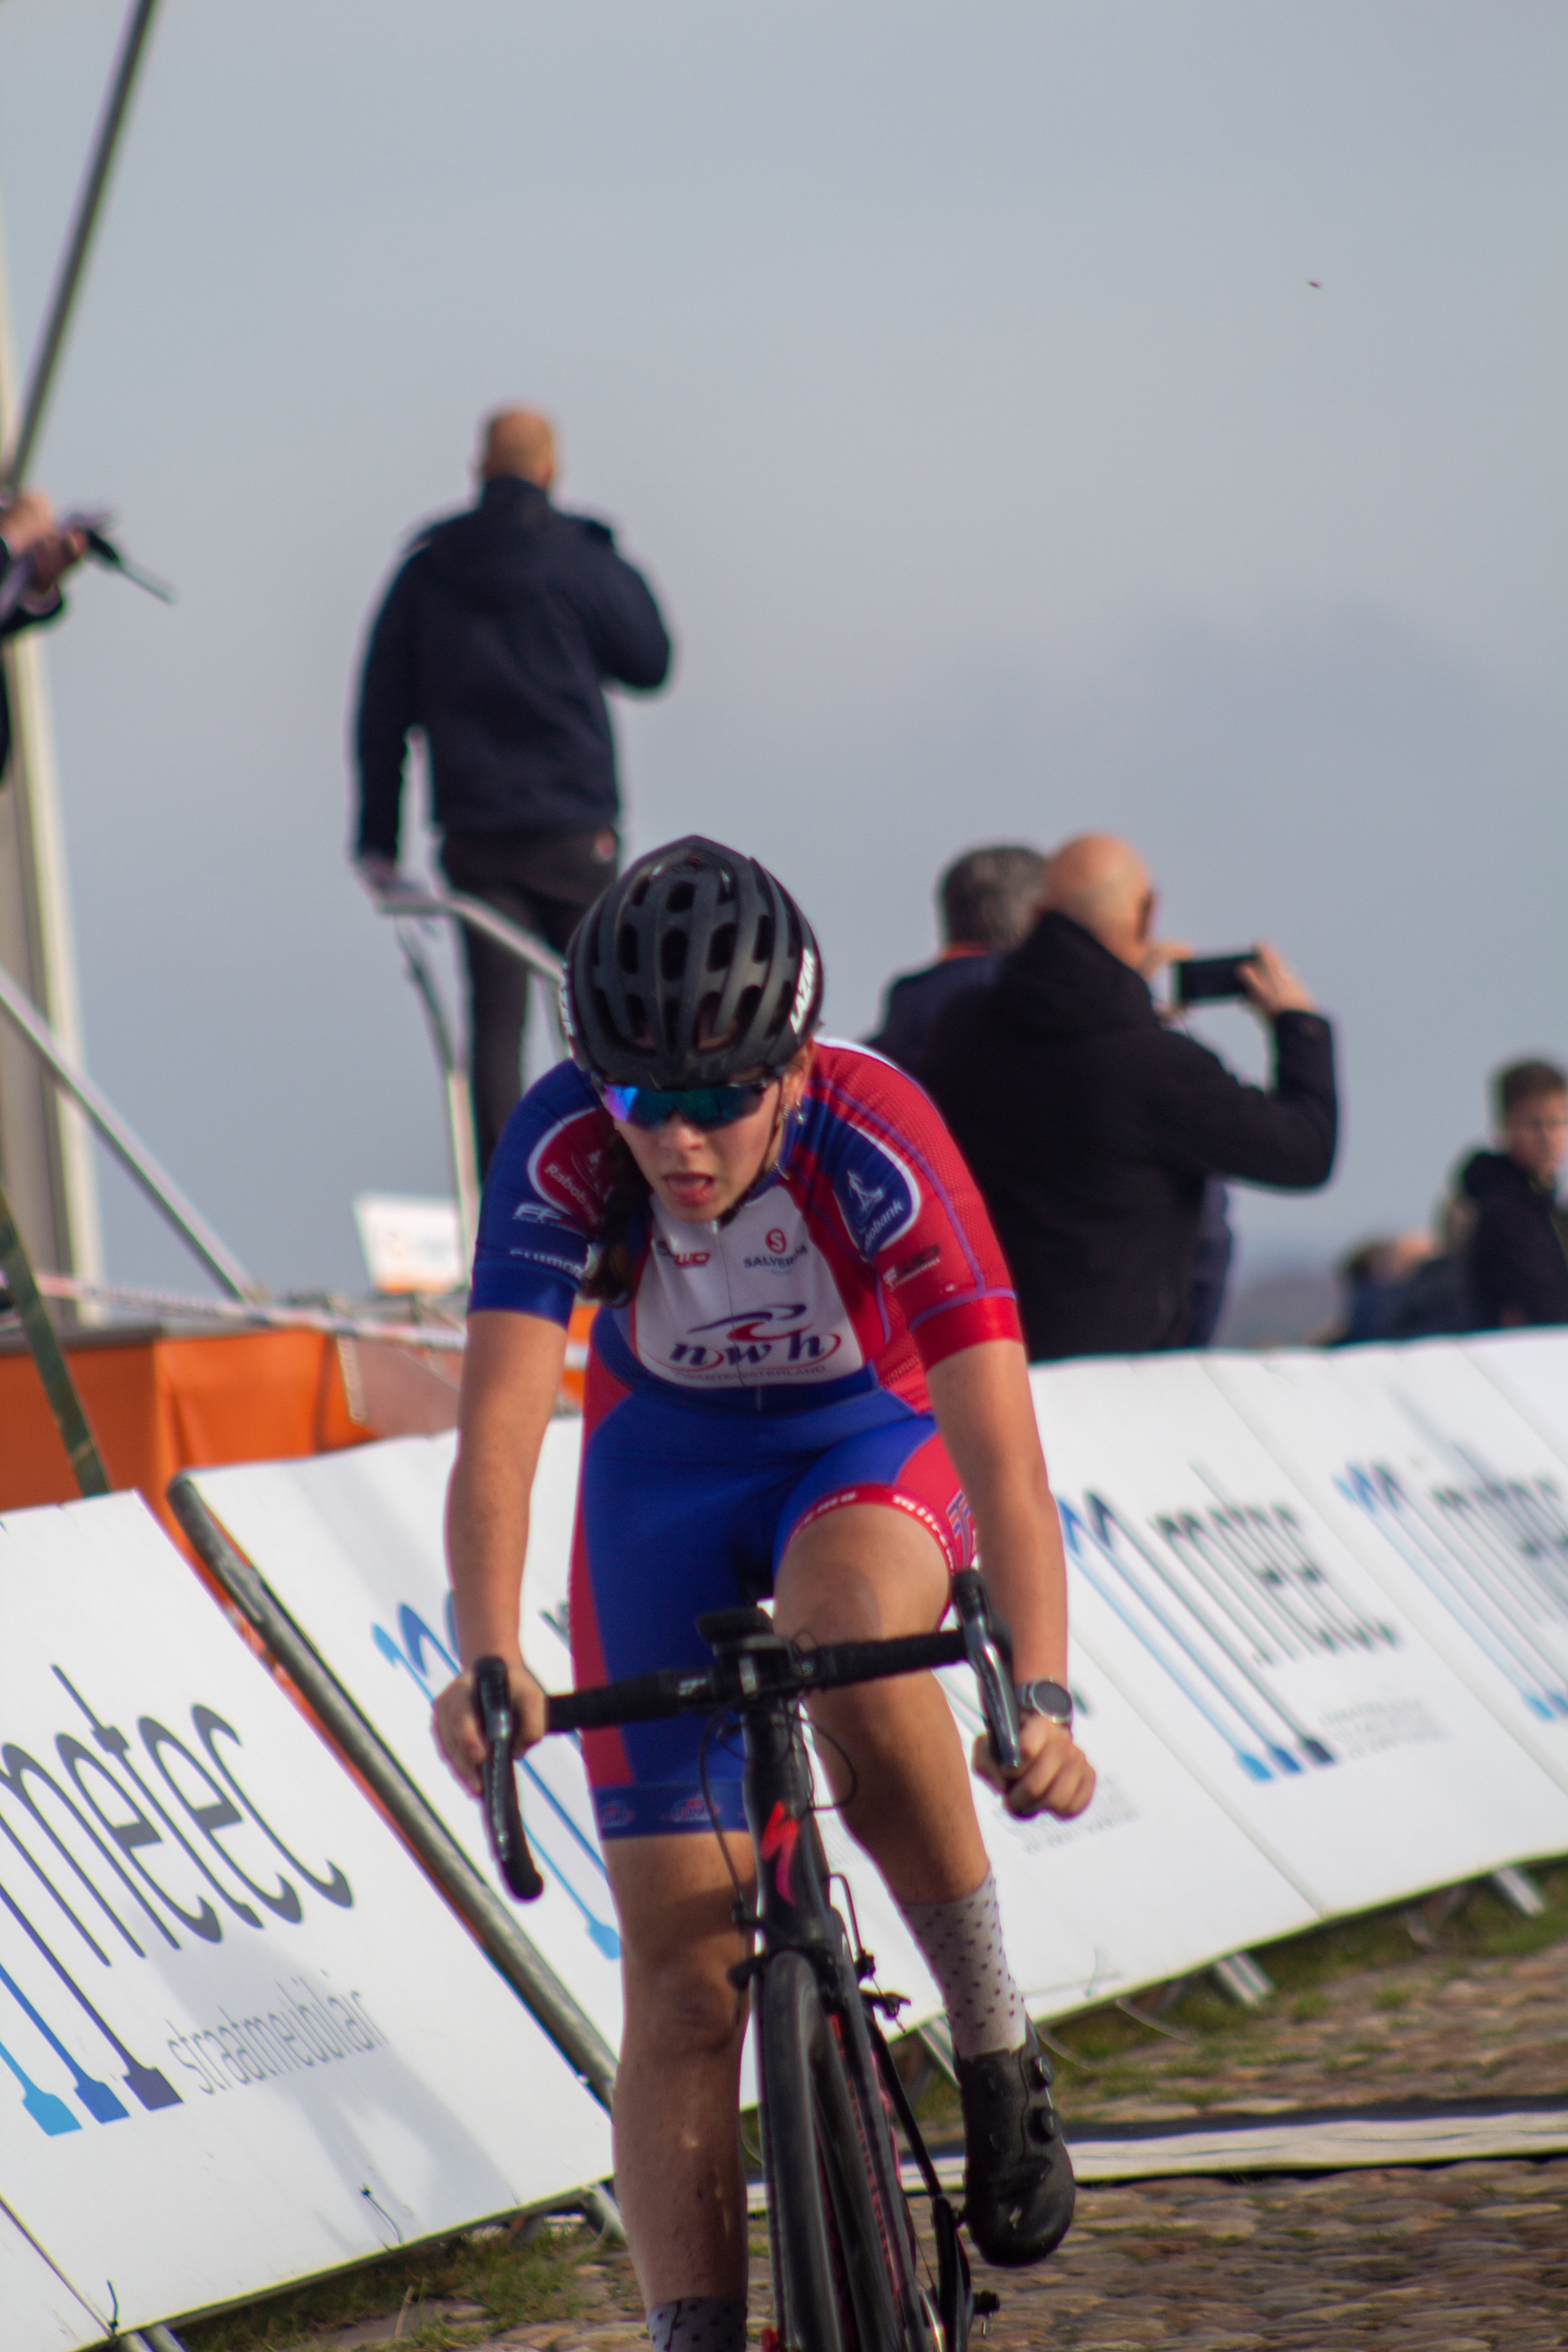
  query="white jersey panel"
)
[{"x": 736, "y": 1306}]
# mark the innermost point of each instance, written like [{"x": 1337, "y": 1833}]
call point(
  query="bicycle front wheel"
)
[{"x": 836, "y": 2219}]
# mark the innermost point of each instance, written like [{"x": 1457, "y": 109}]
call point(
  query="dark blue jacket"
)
[
  {"x": 495, "y": 639},
  {"x": 914, "y": 1000},
  {"x": 1518, "y": 1250}
]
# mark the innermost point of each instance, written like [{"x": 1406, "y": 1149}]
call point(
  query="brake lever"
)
[
  {"x": 988, "y": 1647},
  {"x": 503, "y": 1815}
]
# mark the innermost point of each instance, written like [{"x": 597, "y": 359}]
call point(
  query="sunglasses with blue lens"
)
[{"x": 704, "y": 1106}]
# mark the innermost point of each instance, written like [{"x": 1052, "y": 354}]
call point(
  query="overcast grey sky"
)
[{"x": 955, "y": 373}]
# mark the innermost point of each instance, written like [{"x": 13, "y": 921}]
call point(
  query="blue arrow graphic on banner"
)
[
  {"x": 50, "y": 2114},
  {"x": 410, "y": 1654},
  {"x": 96, "y": 2097},
  {"x": 1081, "y": 1538}
]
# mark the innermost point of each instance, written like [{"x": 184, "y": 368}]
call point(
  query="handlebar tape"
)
[{"x": 503, "y": 1815}]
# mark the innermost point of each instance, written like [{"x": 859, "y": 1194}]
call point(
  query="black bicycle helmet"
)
[{"x": 694, "y": 968}]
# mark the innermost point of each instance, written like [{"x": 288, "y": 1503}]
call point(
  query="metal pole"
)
[
  {"x": 89, "y": 205},
  {"x": 479, "y": 918},
  {"x": 127, "y": 1147},
  {"x": 459, "y": 1095},
  {"x": 45, "y": 1148},
  {"x": 491, "y": 1920},
  {"x": 70, "y": 1420}
]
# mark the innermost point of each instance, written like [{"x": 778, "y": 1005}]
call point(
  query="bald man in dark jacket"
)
[
  {"x": 496, "y": 641},
  {"x": 1092, "y": 1127}
]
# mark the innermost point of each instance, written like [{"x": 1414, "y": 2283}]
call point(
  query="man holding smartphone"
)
[{"x": 1092, "y": 1126}]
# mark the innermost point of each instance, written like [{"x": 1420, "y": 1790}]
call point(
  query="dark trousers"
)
[{"x": 544, "y": 883}]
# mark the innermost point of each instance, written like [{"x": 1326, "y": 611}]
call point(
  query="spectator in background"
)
[
  {"x": 988, "y": 899},
  {"x": 31, "y": 540},
  {"x": 495, "y": 639},
  {"x": 1518, "y": 1247},
  {"x": 1092, "y": 1126},
  {"x": 1378, "y": 1276}
]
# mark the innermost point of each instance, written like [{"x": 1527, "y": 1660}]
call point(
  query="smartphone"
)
[{"x": 1209, "y": 980}]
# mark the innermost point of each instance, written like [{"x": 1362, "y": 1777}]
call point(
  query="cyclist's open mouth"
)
[{"x": 690, "y": 1191}]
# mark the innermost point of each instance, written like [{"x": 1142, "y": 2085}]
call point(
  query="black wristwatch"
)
[{"x": 1049, "y": 1699}]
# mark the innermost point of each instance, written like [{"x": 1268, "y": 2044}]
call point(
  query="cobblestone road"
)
[
  {"x": 1463, "y": 2258},
  {"x": 1466, "y": 2258}
]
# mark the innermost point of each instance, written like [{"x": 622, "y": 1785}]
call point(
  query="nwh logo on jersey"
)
[
  {"x": 764, "y": 1334},
  {"x": 880, "y": 1197}
]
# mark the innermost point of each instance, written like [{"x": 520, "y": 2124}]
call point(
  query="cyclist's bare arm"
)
[
  {"x": 985, "y": 1412},
  {"x": 511, "y": 1374}
]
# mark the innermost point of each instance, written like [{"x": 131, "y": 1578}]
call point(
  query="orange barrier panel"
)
[{"x": 160, "y": 1405}]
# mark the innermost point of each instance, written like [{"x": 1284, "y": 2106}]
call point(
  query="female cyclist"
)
[{"x": 807, "y": 1382}]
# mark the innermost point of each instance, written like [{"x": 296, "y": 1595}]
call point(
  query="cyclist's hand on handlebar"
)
[
  {"x": 456, "y": 1730},
  {"x": 1056, "y": 1777}
]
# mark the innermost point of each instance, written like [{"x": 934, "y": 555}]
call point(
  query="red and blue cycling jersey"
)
[
  {"x": 864, "y": 1255},
  {"x": 765, "y": 1371}
]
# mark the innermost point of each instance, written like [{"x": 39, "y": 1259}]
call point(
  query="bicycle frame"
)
[
  {"x": 793, "y": 1911},
  {"x": 759, "y": 1676}
]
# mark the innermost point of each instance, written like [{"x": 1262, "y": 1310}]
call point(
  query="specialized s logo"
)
[{"x": 780, "y": 1838}]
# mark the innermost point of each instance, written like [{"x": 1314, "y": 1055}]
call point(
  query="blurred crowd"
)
[{"x": 1104, "y": 1136}]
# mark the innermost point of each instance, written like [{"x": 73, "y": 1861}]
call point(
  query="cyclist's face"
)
[{"x": 697, "y": 1172}]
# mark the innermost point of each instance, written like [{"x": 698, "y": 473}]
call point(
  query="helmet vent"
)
[{"x": 695, "y": 969}]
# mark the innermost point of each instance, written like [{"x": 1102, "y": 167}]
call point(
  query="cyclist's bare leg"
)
[
  {"x": 678, "y": 2176},
  {"x": 868, "y": 1572}
]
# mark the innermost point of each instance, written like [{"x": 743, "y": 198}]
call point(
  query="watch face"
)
[{"x": 1049, "y": 1699}]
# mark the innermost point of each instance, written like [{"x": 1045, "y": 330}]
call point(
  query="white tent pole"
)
[{"x": 46, "y": 1157}]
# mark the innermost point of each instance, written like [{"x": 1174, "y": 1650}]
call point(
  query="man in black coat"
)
[
  {"x": 1092, "y": 1127},
  {"x": 496, "y": 640}
]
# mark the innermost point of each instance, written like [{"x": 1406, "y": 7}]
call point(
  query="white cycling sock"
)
[
  {"x": 698, "y": 2322},
  {"x": 961, "y": 1945}
]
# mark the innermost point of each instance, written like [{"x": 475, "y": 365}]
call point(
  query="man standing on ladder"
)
[{"x": 496, "y": 640}]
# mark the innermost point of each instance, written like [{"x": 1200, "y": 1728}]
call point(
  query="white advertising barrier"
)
[
  {"x": 1455, "y": 1501},
  {"x": 352, "y": 1545},
  {"x": 39, "y": 2307},
  {"x": 244, "y": 2039},
  {"x": 1153, "y": 1881},
  {"x": 1530, "y": 1368},
  {"x": 1263, "y": 1651},
  {"x": 1155, "y": 1878}
]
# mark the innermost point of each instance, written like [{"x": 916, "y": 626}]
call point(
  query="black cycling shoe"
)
[{"x": 1018, "y": 2176}]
